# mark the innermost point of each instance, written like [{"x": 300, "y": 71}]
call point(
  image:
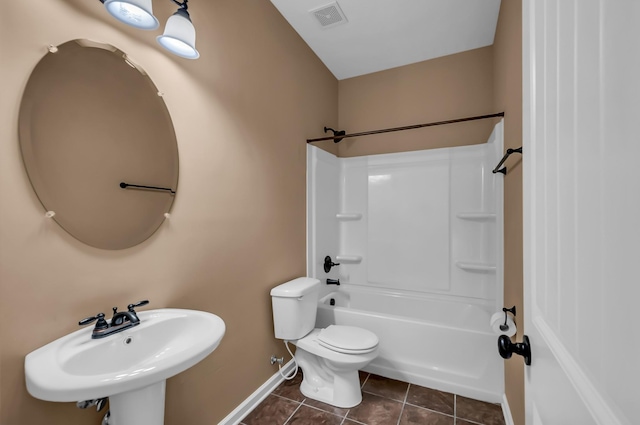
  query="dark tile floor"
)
[{"x": 384, "y": 402}]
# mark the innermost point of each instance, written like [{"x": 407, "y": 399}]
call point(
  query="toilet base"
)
[{"x": 323, "y": 384}]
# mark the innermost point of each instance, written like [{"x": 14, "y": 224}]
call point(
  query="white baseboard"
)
[
  {"x": 506, "y": 411},
  {"x": 258, "y": 395}
]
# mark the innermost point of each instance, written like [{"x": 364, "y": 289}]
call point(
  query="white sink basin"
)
[{"x": 165, "y": 343}]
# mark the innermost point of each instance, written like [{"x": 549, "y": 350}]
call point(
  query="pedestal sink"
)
[{"x": 130, "y": 367}]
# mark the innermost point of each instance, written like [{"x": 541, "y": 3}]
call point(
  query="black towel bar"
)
[{"x": 139, "y": 186}]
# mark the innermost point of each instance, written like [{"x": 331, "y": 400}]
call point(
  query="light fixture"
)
[
  {"x": 137, "y": 13},
  {"x": 179, "y": 35}
]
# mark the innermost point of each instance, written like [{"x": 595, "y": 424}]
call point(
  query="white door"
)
[{"x": 581, "y": 153}]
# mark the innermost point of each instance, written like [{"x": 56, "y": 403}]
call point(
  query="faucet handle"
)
[
  {"x": 101, "y": 324},
  {"x": 328, "y": 263},
  {"x": 138, "y": 304}
]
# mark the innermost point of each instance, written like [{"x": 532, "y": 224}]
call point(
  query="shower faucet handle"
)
[{"x": 328, "y": 264}]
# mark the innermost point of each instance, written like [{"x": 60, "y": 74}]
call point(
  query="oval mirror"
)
[{"x": 91, "y": 120}]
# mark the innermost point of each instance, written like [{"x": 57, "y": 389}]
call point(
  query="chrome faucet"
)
[{"x": 120, "y": 321}]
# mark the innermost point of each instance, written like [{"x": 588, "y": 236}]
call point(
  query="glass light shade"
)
[
  {"x": 137, "y": 13},
  {"x": 180, "y": 36}
]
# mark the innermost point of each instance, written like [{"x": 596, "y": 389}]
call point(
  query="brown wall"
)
[
  {"x": 241, "y": 115},
  {"x": 508, "y": 97},
  {"x": 445, "y": 88}
]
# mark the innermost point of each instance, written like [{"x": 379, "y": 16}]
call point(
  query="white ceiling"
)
[{"x": 384, "y": 34}]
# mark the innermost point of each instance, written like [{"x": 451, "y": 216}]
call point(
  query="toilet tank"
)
[{"x": 295, "y": 304}]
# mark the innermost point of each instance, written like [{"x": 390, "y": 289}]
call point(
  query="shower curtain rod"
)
[{"x": 408, "y": 127}]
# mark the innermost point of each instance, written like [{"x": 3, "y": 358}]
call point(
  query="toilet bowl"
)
[
  {"x": 331, "y": 376},
  {"x": 329, "y": 358}
]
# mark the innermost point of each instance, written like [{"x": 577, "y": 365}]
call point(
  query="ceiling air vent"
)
[{"x": 329, "y": 15}]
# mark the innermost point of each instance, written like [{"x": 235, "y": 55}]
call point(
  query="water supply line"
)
[{"x": 281, "y": 360}]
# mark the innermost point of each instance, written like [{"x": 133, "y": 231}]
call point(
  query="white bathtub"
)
[{"x": 430, "y": 342}]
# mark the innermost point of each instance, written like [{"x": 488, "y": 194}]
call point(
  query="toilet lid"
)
[{"x": 348, "y": 339}]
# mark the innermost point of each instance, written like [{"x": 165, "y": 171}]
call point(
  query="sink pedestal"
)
[{"x": 139, "y": 407}]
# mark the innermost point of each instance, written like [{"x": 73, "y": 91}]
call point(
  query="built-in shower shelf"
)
[
  {"x": 477, "y": 216},
  {"x": 476, "y": 267},
  {"x": 349, "y": 258},
  {"x": 348, "y": 216}
]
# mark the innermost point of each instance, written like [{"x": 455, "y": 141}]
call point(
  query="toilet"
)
[{"x": 329, "y": 358}]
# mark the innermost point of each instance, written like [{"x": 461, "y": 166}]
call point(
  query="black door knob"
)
[{"x": 506, "y": 348}]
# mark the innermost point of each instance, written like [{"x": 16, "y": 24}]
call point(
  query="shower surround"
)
[{"x": 419, "y": 239}]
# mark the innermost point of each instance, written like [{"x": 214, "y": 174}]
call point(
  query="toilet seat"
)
[{"x": 348, "y": 339}]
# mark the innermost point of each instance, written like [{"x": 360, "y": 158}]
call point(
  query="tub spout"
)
[{"x": 333, "y": 281}]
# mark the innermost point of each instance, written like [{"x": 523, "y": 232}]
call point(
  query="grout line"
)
[
  {"x": 455, "y": 408},
  {"x": 401, "y": 412},
  {"x": 325, "y": 411},
  {"x": 294, "y": 412},
  {"x": 365, "y": 380},
  {"x": 344, "y": 418},
  {"x": 406, "y": 394},
  {"x": 470, "y": 421},
  {"x": 289, "y": 399},
  {"x": 382, "y": 396},
  {"x": 404, "y": 402},
  {"x": 434, "y": 411}
]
